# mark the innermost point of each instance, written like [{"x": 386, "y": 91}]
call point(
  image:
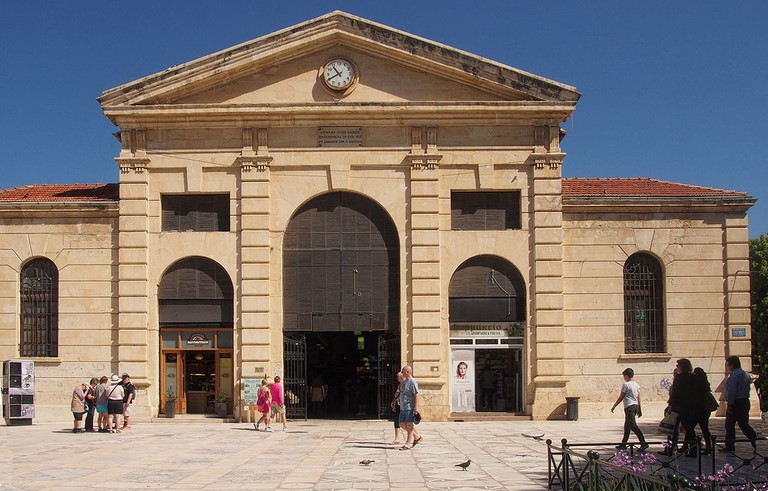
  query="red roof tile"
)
[
  {"x": 61, "y": 192},
  {"x": 585, "y": 187},
  {"x": 573, "y": 187}
]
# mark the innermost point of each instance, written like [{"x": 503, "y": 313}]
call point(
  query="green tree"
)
[{"x": 758, "y": 268}]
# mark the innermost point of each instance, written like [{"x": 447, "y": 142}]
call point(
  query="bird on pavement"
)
[
  {"x": 464, "y": 465},
  {"x": 367, "y": 462},
  {"x": 535, "y": 437}
]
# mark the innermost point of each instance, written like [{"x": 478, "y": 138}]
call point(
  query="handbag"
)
[
  {"x": 712, "y": 403},
  {"x": 668, "y": 424}
]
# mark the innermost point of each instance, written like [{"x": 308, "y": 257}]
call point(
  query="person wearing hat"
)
[
  {"x": 129, "y": 396},
  {"x": 114, "y": 403}
]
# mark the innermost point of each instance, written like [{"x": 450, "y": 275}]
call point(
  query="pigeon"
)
[
  {"x": 464, "y": 465},
  {"x": 535, "y": 437},
  {"x": 367, "y": 462}
]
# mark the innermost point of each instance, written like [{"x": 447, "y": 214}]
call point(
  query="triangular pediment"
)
[{"x": 284, "y": 67}]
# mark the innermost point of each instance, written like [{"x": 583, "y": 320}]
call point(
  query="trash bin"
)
[{"x": 572, "y": 408}]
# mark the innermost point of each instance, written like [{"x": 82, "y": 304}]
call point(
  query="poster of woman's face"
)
[{"x": 461, "y": 370}]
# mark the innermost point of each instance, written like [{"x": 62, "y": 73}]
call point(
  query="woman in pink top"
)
[{"x": 263, "y": 405}]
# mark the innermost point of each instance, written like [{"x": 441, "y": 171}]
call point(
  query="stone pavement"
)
[{"x": 314, "y": 454}]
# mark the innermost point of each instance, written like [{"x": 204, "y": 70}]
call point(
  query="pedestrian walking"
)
[
  {"x": 737, "y": 394},
  {"x": 278, "y": 403},
  {"x": 409, "y": 408},
  {"x": 263, "y": 405},
  {"x": 630, "y": 397}
]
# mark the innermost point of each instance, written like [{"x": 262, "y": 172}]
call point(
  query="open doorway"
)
[{"x": 342, "y": 374}]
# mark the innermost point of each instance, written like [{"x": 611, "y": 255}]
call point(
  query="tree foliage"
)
[{"x": 758, "y": 268}]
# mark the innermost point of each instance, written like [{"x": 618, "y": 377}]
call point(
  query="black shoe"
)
[
  {"x": 706, "y": 451},
  {"x": 643, "y": 447},
  {"x": 667, "y": 452},
  {"x": 621, "y": 446}
]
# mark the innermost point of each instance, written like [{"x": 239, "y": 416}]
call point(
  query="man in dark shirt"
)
[
  {"x": 737, "y": 395},
  {"x": 128, "y": 398}
]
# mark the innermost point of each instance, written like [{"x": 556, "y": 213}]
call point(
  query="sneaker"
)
[
  {"x": 643, "y": 447},
  {"x": 256, "y": 426},
  {"x": 269, "y": 429},
  {"x": 125, "y": 428},
  {"x": 621, "y": 446}
]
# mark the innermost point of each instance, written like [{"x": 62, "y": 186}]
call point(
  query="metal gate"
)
[
  {"x": 388, "y": 366},
  {"x": 295, "y": 382}
]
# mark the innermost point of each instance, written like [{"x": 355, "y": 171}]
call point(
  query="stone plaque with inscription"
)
[{"x": 340, "y": 136}]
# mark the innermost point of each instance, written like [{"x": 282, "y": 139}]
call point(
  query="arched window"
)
[
  {"x": 643, "y": 305},
  {"x": 39, "y": 294},
  {"x": 196, "y": 290},
  {"x": 486, "y": 289}
]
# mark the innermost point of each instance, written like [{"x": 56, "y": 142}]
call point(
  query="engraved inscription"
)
[{"x": 340, "y": 136}]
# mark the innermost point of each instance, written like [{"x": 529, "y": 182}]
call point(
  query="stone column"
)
[
  {"x": 253, "y": 337},
  {"x": 547, "y": 335},
  {"x": 133, "y": 268}
]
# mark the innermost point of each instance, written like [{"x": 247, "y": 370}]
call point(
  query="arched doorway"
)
[
  {"x": 487, "y": 326},
  {"x": 195, "y": 307},
  {"x": 341, "y": 303}
]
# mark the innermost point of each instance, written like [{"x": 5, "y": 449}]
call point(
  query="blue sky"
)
[{"x": 670, "y": 90}]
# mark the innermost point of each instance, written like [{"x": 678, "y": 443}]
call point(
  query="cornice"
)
[
  {"x": 653, "y": 204},
  {"x": 368, "y": 114},
  {"x": 75, "y": 209}
]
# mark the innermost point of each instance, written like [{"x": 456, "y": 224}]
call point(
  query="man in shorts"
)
[
  {"x": 409, "y": 407},
  {"x": 129, "y": 396},
  {"x": 278, "y": 404}
]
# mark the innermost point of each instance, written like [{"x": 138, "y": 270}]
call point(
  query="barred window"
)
[
  {"x": 39, "y": 309},
  {"x": 643, "y": 305}
]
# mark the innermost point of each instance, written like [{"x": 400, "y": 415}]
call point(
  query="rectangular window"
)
[
  {"x": 195, "y": 213},
  {"x": 489, "y": 210}
]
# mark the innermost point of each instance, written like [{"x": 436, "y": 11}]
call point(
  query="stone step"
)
[{"x": 488, "y": 416}]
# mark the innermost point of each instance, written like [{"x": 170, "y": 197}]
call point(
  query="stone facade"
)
[{"x": 257, "y": 123}]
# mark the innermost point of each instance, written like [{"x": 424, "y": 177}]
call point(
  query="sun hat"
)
[{"x": 114, "y": 379}]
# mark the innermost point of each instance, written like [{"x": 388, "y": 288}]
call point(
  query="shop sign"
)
[
  {"x": 487, "y": 329},
  {"x": 198, "y": 339}
]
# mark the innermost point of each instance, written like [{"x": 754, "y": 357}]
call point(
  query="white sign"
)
[{"x": 462, "y": 381}]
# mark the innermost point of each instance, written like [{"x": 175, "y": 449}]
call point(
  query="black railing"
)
[{"x": 579, "y": 466}]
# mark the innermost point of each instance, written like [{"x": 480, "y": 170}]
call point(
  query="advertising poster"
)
[{"x": 462, "y": 381}]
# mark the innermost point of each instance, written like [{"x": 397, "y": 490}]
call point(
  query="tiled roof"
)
[
  {"x": 641, "y": 187},
  {"x": 37, "y": 193},
  {"x": 573, "y": 187}
]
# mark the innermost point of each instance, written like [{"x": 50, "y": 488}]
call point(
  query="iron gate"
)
[
  {"x": 388, "y": 366},
  {"x": 295, "y": 382}
]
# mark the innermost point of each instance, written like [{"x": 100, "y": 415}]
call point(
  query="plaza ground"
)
[{"x": 189, "y": 453}]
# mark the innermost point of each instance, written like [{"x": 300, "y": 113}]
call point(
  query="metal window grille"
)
[
  {"x": 643, "y": 305},
  {"x": 39, "y": 309}
]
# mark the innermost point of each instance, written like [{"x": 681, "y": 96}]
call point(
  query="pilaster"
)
[
  {"x": 547, "y": 337},
  {"x": 253, "y": 337},
  {"x": 132, "y": 341},
  {"x": 424, "y": 342},
  {"x": 737, "y": 287}
]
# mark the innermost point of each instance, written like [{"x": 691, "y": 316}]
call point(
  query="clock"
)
[{"x": 339, "y": 74}]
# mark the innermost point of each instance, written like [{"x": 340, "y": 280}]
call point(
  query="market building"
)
[{"x": 339, "y": 198}]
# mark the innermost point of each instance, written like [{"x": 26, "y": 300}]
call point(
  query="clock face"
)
[{"x": 338, "y": 74}]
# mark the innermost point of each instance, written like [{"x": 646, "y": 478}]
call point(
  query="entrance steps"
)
[
  {"x": 193, "y": 418},
  {"x": 488, "y": 416}
]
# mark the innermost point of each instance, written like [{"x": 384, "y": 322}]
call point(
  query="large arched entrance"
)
[
  {"x": 487, "y": 325},
  {"x": 195, "y": 307},
  {"x": 341, "y": 303}
]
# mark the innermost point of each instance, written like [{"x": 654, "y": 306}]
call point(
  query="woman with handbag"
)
[{"x": 710, "y": 405}]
